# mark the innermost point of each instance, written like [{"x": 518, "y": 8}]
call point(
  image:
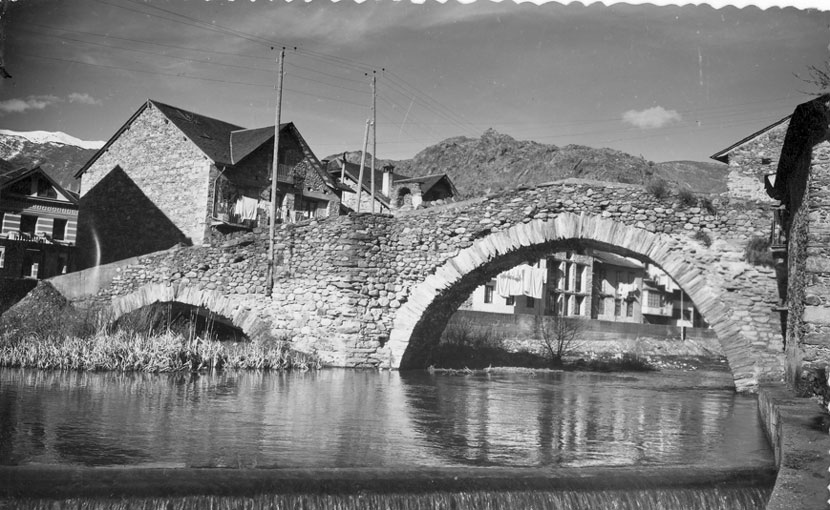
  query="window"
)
[
  {"x": 59, "y": 229},
  {"x": 601, "y": 306},
  {"x": 629, "y": 308},
  {"x": 617, "y": 307},
  {"x": 529, "y": 302},
  {"x": 2, "y": 256},
  {"x": 620, "y": 278},
  {"x": 45, "y": 189},
  {"x": 579, "y": 303},
  {"x": 510, "y": 300},
  {"x": 28, "y": 224},
  {"x": 687, "y": 314},
  {"x": 63, "y": 263},
  {"x": 488, "y": 293},
  {"x": 578, "y": 278},
  {"x": 568, "y": 269},
  {"x": 654, "y": 299}
]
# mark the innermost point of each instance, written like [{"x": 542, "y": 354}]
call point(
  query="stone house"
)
[
  {"x": 753, "y": 158},
  {"x": 39, "y": 221},
  {"x": 393, "y": 191},
  {"x": 413, "y": 192},
  {"x": 171, "y": 176},
  {"x": 591, "y": 285}
]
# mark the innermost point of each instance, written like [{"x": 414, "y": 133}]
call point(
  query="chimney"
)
[{"x": 387, "y": 180}]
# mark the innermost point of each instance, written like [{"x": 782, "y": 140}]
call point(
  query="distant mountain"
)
[
  {"x": 497, "y": 161},
  {"x": 59, "y": 154}
]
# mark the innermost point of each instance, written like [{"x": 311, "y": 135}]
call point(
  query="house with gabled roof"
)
[
  {"x": 752, "y": 158},
  {"x": 393, "y": 191},
  {"x": 171, "y": 176},
  {"x": 38, "y": 220}
]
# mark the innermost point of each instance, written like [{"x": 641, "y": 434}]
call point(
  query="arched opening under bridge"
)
[
  {"x": 196, "y": 310},
  {"x": 419, "y": 323}
]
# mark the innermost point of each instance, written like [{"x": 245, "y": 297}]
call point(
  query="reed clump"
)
[
  {"x": 73, "y": 340},
  {"x": 165, "y": 352}
]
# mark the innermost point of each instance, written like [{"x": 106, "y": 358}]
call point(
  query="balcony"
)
[{"x": 662, "y": 311}]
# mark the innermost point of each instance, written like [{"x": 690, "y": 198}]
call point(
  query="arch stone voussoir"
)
[
  {"x": 409, "y": 324},
  {"x": 245, "y": 319}
]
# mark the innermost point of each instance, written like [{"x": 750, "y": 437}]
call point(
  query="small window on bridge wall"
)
[{"x": 187, "y": 321}]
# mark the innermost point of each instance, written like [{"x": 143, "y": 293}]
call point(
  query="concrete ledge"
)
[
  {"x": 71, "y": 482},
  {"x": 802, "y": 449}
]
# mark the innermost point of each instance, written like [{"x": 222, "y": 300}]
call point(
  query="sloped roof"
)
[
  {"x": 353, "y": 171},
  {"x": 8, "y": 177},
  {"x": 212, "y": 136},
  {"x": 222, "y": 142},
  {"x": 723, "y": 156},
  {"x": 427, "y": 182},
  {"x": 245, "y": 141}
]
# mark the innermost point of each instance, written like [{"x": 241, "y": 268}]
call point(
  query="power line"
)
[{"x": 178, "y": 75}]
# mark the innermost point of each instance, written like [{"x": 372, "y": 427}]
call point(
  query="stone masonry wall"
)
[
  {"x": 749, "y": 164},
  {"x": 808, "y": 294},
  {"x": 340, "y": 282},
  {"x": 147, "y": 192}
]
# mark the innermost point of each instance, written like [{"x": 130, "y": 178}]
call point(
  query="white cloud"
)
[
  {"x": 84, "y": 98},
  {"x": 651, "y": 118},
  {"x": 30, "y": 103}
]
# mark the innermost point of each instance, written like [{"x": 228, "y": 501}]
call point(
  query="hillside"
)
[
  {"x": 497, "y": 161},
  {"x": 58, "y": 154}
]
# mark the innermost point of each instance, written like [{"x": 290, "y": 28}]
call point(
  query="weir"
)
[{"x": 346, "y": 489}]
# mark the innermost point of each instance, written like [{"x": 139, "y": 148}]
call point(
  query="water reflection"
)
[{"x": 341, "y": 418}]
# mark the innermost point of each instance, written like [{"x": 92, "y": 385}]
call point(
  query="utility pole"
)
[
  {"x": 363, "y": 163},
  {"x": 374, "y": 137},
  {"x": 274, "y": 170}
]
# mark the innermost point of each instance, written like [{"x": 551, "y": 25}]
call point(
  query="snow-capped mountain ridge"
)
[{"x": 53, "y": 137}]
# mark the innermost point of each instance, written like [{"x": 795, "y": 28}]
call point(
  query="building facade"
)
[
  {"x": 38, "y": 221},
  {"x": 393, "y": 192},
  {"x": 592, "y": 285},
  {"x": 169, "y": 176}
]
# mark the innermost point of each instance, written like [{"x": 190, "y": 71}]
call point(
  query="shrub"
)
[
  {"x": 757, "y": 252},
  {"x": 707, "y": 205},
  {"x": 703, "y": 238},
  {"x": 686, "y": 198},
  {"x": 659, "y": 188}
]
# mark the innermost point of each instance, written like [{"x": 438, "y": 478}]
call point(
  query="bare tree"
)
[
  {"x": 560, "y": 335},
  {"x": 817, "y": 76}
]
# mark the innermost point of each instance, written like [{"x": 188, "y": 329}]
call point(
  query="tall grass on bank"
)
[
  {"x": 166, "y": 352},
  {"x": 72, "y": 340}
]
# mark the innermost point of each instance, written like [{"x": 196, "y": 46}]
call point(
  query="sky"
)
[{"x": 663, "y": 82}]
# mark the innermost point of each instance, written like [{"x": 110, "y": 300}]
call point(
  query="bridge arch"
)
[
  {"x": 239, "y": 315},
  {"x": 432, "y": 302}
]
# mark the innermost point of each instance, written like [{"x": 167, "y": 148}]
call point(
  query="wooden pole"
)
[
  {"x": 374, "y": 137},
  {"x": 362, "y": 163},
  {"x": 274, "y": 171}
]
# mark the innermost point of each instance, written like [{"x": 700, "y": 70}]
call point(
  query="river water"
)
[{"x": 368, "y": 419}]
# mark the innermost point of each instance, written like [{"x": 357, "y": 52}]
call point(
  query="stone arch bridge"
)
[{"x": 375, "y": 290}]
